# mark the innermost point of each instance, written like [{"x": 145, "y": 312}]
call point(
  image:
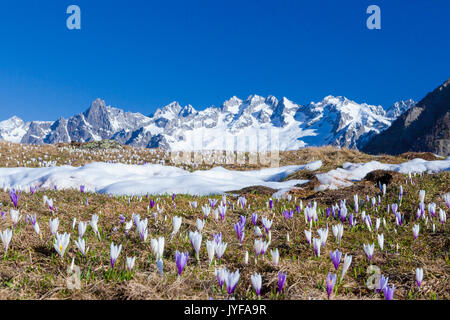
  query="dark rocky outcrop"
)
[{"x": 423, "y": 128}]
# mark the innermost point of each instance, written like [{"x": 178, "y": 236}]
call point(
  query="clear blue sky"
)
[{"x": 141, "y": 55}]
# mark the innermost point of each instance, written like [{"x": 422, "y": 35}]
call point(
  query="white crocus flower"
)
[
  {"x": 221, "y": 274},
  {"x": 94, "y": 224},
  {"x": 176, "y": 221},
  {"x": 258, "y": 232},
  {"x": 377, "y": 224},
  {"x": 206, "y": 210},
  {"x": 210, "y": 248},
  {"x": 216, "y": 214},
  {"x": 346, "y": 265},
  {"x": 157, "y": 246},
  {"x": 81, "y": 245},
  {"x": 53, "y": 225},
  {"x": 246, "y": 257},
  {"x": 44, "y": 200},
  {"x": 369, "y": 249},
  {"x": 61, "y": 243},
  {"x": 142, "y": 229},
  {"x": 15, "y": 216},
  {"x": 421, "y": 195},
  {"x": 200, "y": 224},
  {"x": 128, "y": 226},
  {"x": 220, "y": 249},
  {"x": 308, "y": 235},
  {"x": 196, "y": 241},
  {"x": 442, "y": 216},
  {"x": 317, "y": 243},
  {"x": 114, "y": 253},
  {"x": 256, "y": 282},
  {"x": 419, "y": 276},
  {"x": 74, "y": 221},
  {"x": 82, "y": 226},
  {"x": 130, "y": 263},
  {"x": 323, "y": 233},
  {"x": 6, "y": 237},
  {"x": 275, "y": 256},
  {"x": 415, "y": 231},
  {"x": 266, "y": 223},
  {"x": 381, "y": 240},
  {"x": 36, "y": 228},
  {"x": 232, "y": 278}
]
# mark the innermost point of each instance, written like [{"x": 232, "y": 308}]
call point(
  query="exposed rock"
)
[{"x": 423, "y": 128}]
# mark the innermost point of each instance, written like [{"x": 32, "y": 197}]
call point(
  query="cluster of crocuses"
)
[
  {"x": 14, "y": 196},
  {"x": 216, "y": 247},
  {"x": 239, "y": 228}
]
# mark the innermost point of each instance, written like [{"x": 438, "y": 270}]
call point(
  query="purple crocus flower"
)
[
  {"x": 422, "y": 209},
  {"x": 398, "y": 219},
  {"x": 350, "y": 219},
  {"x": 281, "y": 280},
  {"x": 333, "y": 211},
  {"x": 419, "y": 276},
  {"x": 152, "y": 204},
  {"x": 212, "y": 202},
  {"x": 122, "y": 219},
  {"x": 343, "y": 213},
  {"x": 55, "y": 187},
  {"x": 388, "y": 292},
  {"x": 242, "y": 201},
  {"x": 288, "y": 214},
  {"x": 239, "y": 228},
  {"x": 217, "y": 237},
  {"x": 173, "y": 197},
  {"x": 297, "y": 208},
  {"x": 82, "y": 187},
  {"x": 242, "y": 220},
  {"x": 14, "y": 196},
  {"x": 254, "y": 218},
  {"x": 270, "y": 204},
  {"x": 447, "y": 199},
  {"x": 331, "y": 281},
  {"x": 394, "y": 207},
  {"x": 231, "y": 281},
  {"x": 220, "y": 275},
  {"x": 432, "y": 209},
  {"x": 115, "y": 251},
  {"x": 181, "y": 260},
  {"x": 336, "y": 258},
  {"x": 32, "y": 190},
  {"x": 222, "y": 212},
  {"x": 2, "y": 214},
  {"x": 382, "y": 283},
  {"x": 369, "y": 220},
  {"x": 328, "y": 212}
]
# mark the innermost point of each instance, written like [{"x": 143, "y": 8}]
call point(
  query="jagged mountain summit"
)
[
  {"x": 424, "y": 128},
  {"x": 254, "y": 124}
]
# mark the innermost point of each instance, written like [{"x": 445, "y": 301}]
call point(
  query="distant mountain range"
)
[
  {"x": 423, "y": 127},
  {"x": 237, "y": 125}
]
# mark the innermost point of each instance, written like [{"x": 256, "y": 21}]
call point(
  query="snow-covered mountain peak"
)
[
  {"x": 13, "y": 129},
  {"x": 333, "y": 120},
  {"x": 399, "y": 107}
]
